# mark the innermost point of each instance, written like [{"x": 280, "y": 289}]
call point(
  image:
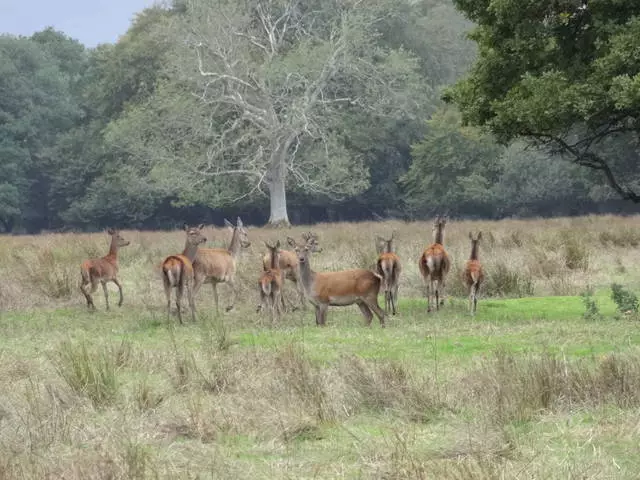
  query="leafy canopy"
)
[{"x": 564, "y": 74}]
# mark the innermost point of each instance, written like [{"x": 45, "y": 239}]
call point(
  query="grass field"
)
[{"x": 528, "y": 388}]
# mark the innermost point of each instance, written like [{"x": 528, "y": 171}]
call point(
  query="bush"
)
[
  {"x": 507, "y": 282},
  {"x": 592, "y": 311},
  {"x": 626, "y": 301}
]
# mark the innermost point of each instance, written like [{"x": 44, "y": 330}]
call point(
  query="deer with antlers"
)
[
  {"x": 288, "y": 264},
  {"x": 435, "y": 264},
  {"x": 102, "y": 270},
  {"x": 218, "y": 265},
  {"x": 177, "y": 271},
  {"x": 388, "y": 266},
  {"x": 473, "y": 274},
  {"x": 340, "y": 288},
  {"x": 270, "y": 283}
]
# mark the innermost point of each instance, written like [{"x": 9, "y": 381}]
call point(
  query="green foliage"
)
[
  {"x": 565, "y": 74},
  {"x": 591, "y": 309},
  {"x": 626, "y": 300},
  {"x": 453, "y": 167}
]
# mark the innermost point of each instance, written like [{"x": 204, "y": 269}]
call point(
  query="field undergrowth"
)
[{"x": 529, "y": 388}]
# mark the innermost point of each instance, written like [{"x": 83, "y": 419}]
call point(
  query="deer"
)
[
  {"x": 435, "y": 264},
  {"x": 218, "y": 265},
  {"x": 270, "y": 283},
  {"x": 388, "y": 266},
  {"x": 288, "y": 264},
  {"x": 177, "y": 271},
  {"x": 472, "y": 275},
  {"x": 102, "y": 270},
  {"x": 342, "y": 288}
]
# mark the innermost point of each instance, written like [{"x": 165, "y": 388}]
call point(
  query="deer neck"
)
[
  {"x": 439, "y": 236},
  {"x": 388, "y": 248},
  {"x": 190, "y": 251},
  {"x": 112, "y": 256},
  {"x": 307, "y": 275},
  {"x": 234, "y": 246},
  {"x": 474, "y": 251},
  {"x": 275, "y": 260}
]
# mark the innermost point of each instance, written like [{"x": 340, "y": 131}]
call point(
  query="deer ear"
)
[
  {"x": 278, "y": 244},
  {"x": 228, "y": 223},
  {"x": 470, "y": 236},
  {"x": 479, "y": 235},
  {"x": 111, "y": 231},
  {"x": 291, "y": 242},
  {"x": 239, "y": 222},
  {"x": 185, "y": 227},
  {"x": 201, "y": 226}
]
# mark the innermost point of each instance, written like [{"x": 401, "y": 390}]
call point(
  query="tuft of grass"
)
[
  {"x": 49, "y": 275},
  {"x": 623, "y": 237},
  {"x": 91, "y": 373},
  {"x": 503, "y": 281},
  {"x": 576, "y": 254}
]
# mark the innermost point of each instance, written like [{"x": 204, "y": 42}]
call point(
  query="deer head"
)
[
  {"x": 117, "y": 238},
  {"x": 238, "y": 229},
  {"x": 194, "y": 235}
]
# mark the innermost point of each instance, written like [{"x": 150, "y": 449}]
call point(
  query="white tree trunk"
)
[{"x": 278, "y": 190}]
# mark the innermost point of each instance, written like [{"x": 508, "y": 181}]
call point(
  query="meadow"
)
[{"x": 528, "y": 388}]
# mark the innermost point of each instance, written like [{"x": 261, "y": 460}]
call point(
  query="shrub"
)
[
  {"x": 626, "y": 301},
  {"x": 592, "y": 311}
]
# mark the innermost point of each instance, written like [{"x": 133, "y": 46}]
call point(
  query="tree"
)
[
  {"x": 564, "y": 75},
  {"x": 453, "y": 168},
  {"x": 268, "y": 84}
]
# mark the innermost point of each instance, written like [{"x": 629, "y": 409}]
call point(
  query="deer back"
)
[
  {"x": 346, "y": 283},
  {"x": 105, "y": 268},
  {"x": 217, "y": 263},
  {"x": 435, "y": 261},
  {"x": 180, "y": 268}
]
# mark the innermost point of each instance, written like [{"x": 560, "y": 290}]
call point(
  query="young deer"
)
[
  {"x": 218, "y": 265},
  {"x": 341, "y": 288},
  {"x": 473, "y": 274},
  {"x": 288, "y": 264},
  {"x": 270, "y": 283},
  {"x": 102, "y": 270},
  {"x": 177, "y": 271},
  {"x": 388, "y": 266},
  {"x": 435, "y": 264}
]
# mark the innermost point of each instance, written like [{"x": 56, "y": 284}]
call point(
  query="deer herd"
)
[{"x": 186, "y": 272}]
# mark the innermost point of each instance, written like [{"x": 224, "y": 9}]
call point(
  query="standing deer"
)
[
  {"x": 218, "y": 265},
  {"x": 473, "y": 274},
  {"x": 270, "y": 283},
  {"x": 102, "y": 270},
  {"x": 388, "y": 266},
  {"x": 288, "y": 263},
  {"x": 435, "y": 264},
  {"x": 341, "y": 288},
  {"x": 177, "y": 271}
]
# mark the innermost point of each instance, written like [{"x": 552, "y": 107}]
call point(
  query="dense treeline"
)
[{"x": 280, "y": 110}]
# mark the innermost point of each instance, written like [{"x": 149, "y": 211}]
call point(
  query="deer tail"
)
[
  {"x": 386, "y": 271},
  {"x": 173, "y": 269}
]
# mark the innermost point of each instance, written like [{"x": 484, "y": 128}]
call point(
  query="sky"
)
[{"x": 89, "y": 21}]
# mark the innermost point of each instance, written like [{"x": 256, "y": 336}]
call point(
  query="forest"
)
[{"x": 288, "y": 111}]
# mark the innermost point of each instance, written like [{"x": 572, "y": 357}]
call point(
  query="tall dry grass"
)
[{"x": 560, "y": 256}]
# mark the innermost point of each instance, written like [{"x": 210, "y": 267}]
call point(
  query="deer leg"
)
[
  {"x": 179, "y": 292},
  {"x": 87, "y": 296},
  {"x": 429, "y": 286},
  {"x": 474, "y": 293},
  {"x": 366, "y": 313},
  {"x": 318, "y": 316},
  {"x": 167, "y": 294},
  {"x": 214, "y": 286},
  {"x": 192, "y": 302},
  {"x": 106, "y": 294},
  {"x": 372, "y": 303},
  {"x": 115, "y": 280},
  {"x": 324, "y": 307},
  {"x": 394, "y": 298},
  {"x": 301, "y": 296},
  {"x": 437, "y": 293},
  {"x": 442, "y": 285},
  {"x": 232, "y": 284}
]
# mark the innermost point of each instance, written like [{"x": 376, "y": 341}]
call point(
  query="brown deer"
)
[
  {"x": 341, "y": 288},
  {"x": 102, "y": 270},
  {"x": 177, "y": 271},
  {"x": 288, "y": 264},
  {"x": 388, "y": 266},
  {"x": 435, "y": 264},
  {"x": 270, "y": 283},
  {"x": 218, "y": 265},
  {"x": 473, "y": 274}
]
